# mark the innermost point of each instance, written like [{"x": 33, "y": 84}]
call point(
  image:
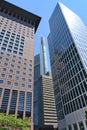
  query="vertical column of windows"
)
[
  {"x": 13, "y": 101},
  {"x": 21, "y": 101},
  {"x": 5, "y": 100},
  {"x": 28, "y": 102}
]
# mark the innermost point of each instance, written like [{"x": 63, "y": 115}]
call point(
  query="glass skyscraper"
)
[
  {"x": 43, "y": 57},
  {"x": 68, "y": 56}
]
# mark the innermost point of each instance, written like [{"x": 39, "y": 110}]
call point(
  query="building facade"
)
[
  {"x": 36, "y": 89},
  {"x": 47, "y": 118},
  {"x": 43, "y": 58},
  {"x": 44, "y": 104},
  {"x": 68, "y": 56},
  {"x": 17, "y": 29}
]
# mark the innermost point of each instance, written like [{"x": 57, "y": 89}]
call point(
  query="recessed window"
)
[
  {"x": 17, "y": 78},
  {"x": 18, "y": 67},
  {"x": 4, "y": 69},
  {"x": 29, "y": 86},
  {"x": 8, "y": 50},
  {"x": 11, "y": 71},
  {"x": 19, "y": 62},
  {"x": 1, "y": 81},
  {"x": 30, "y": 75},
  {"x": 30, "y": 70},
  {"x": 8, "y": 54},
  {"x": 2, "y": 48},
  {"x": 10, "y": 76},
  {"x": 30, "y": 60},
  {"x": 7, "y": 59},
  {"x": 24, "y": 68},
  {"x": 0, "y": 57},
  {"x": 15, "y": 52},
  {"x": 24, "y": 73},
  {"x": 8, "y": 83},
  {"x": 3, "y": 75},
  {"x": 23, "y": 85},
  {"x": 17, "y": 72},
  {"x": 30, "y": 65},
  {"x": 13, "y": 60},
  {"x": 16, "y": 84},
  {"x": 5, "y": 64},
  {"x": 23, "y": 79},
  {"x": 29, "y": 80},
  {"x": 12, "y": 65}
]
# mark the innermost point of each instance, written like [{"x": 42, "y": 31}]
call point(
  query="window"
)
[
  {"x": 69, "y": 127},
  {"x": 30, "y": 70},
  {"x": 8, "y": 83},
  {"x": 30, "y": 75},
  {"x": 12, "y": 65},
  {"x": 29, "y": 86},
  {"x": 30, "y": 65},
  {"x": 24, "y": 68},
  {"x": 24, "y": 73},
  {"x": 5, "y": 64},
  {"x": 10, "y": 76},
  {"x": 0, "y": 57},
  {"x": 16, "y": 84},
  {"x": 11, "y": 71},
  {"x": 17, "y": 72},
  {"x": 13, "y": 60},
  {"x": 1, "y": 81},
  {"x": 2, "y": 48},
  {"x": 23, "y": 79},
  {"x": 30, "y": 60},
  {"x": 75, "y": 126},
  {"x": 81, "y": 126},
  {"x": 4, "y": 69},
  {"x": 22, "y": 85},
  {"x": 17, "y": 78},
  {"x": 18, "y": 67},
  {"x": 29, "y": 80},
  {"x": 7, "y": 59},
  {"x": 3, "y": 75}
]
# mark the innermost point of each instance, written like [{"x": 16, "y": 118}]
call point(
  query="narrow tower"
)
[{"x": 43, "y": 57}]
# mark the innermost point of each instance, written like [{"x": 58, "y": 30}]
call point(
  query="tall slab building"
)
[
  {"x": 17, "y": 29},
  {"x": 43, "y": 57},
  {"x": 44, "y": 104},
  {"x": 68, "y": 56}
]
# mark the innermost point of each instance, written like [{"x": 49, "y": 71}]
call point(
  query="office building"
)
[
  {"x": 43, "y": 57},
  {"x": 47, "y": 118},
  {"x": 17, "y": 29},
  {"x": 68, "y": 56},
  {"x": 36, "y": 89},
  {"x": 44, "y": 104}
]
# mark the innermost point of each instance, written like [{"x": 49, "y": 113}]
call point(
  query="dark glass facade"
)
[{"x": 67, "y": 46}]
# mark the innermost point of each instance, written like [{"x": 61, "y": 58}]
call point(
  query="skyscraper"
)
[
  {"x": 17, "y": 28},
  {"x": 43, "y": 57},
  {"x": 44, "y": 103},
  {"x": 68, "y": 56}
]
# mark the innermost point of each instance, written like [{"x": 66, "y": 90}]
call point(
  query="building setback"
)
[
  {"x": 68, "y": 56},
  {"x": 47, "y": 118},
  {"x": 44, "y": 104},
  {"x": 17, "y": 29}
]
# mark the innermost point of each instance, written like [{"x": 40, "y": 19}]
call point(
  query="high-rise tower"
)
[
  {"x": 44, "y": 104},
  {"x": 68, "y": 56},
  {"x": 17, "y": 28},
  {"x": 43, "y": 57}
]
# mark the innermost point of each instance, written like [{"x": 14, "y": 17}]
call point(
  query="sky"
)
[{"x": 44, "y": 9}]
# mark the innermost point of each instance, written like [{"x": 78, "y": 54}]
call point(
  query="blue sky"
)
[{"x": 44, "y": 8}]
